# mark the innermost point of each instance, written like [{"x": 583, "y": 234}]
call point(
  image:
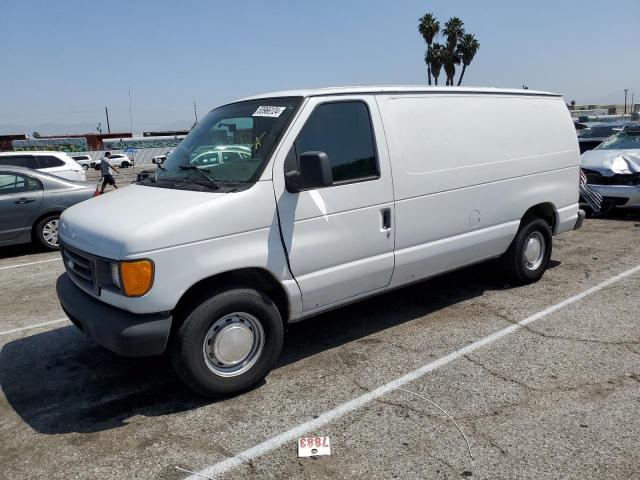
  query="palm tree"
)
[
  {"x": 428, "y": 28},
  {"x": 433, "y": 59},
  {"x": 453, "y": 30},
  {"x": 449, "y": 62},
  {"x": 468, "y": 47}
]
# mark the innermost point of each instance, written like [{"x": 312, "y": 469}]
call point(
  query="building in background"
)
[
  {"x": 5, "y": 141},
  {"x": 62, "y": 143}
]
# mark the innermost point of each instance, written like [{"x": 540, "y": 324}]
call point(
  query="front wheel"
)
[
  {"x": 528, "y": 256},
  {"x": 228, "y": 342},
  {"x": 125, "y": 164},
  {"x": 46, "y": 232}
]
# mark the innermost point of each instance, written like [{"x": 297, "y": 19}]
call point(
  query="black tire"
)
[
  {"x": 39, "y": 232},
  {"x": 514, "y": 262},
  {"x": 85, "y": 167},
  {"x": 186, "y": 349},
  {"x": 125, "y": 165}
]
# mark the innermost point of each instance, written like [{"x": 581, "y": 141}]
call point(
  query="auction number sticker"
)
[
  {"x": 313, "y": 446},
  {"x": 266, "y": 111}
]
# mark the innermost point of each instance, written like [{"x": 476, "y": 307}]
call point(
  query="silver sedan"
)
[{"x": 31, "y": 203}]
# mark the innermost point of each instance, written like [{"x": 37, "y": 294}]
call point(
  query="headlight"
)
[
  {"x": 136, "y": 277},
  {"x": 115, "y": 274}
]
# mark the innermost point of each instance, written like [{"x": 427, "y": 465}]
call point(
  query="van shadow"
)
[{"x": 59, "y": 382}]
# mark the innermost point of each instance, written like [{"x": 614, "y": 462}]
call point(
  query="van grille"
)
[{"x": 80, "y": 267}]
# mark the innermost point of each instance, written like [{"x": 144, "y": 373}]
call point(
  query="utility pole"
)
[
  {"x": 195, "y": 111},
  {"x": 106, "y": 111},
  {"x": 130, "y": 113},
  {"x": 625, "y": 100}
]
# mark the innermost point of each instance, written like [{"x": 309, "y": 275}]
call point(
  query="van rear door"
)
[{"x": 339, "y": 238}]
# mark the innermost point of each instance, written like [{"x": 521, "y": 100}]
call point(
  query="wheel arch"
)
[
  {"x": 545, "y": 211},
  {"x": 257, "y": 278}
]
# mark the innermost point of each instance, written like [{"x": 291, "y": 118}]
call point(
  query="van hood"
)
[
  {"x": 611, "y": 162},
  {"x": 137, "y": 219}
]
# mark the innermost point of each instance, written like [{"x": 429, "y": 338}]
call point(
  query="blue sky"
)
[{"x": 63, "y": 61}]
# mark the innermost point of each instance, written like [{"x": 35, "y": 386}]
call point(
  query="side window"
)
[
  {"x": 34, "y": 184},
  {"x": 12, "y": 183},
  {"x": 49, "y": 161},
  {"x": 27, "y": 161},
  {"x": 342, "y": 130}
]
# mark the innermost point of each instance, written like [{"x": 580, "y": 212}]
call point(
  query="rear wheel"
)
[
  {"x": 46, "y": 232},
  {"x": 85, "y": 167},
  {"x": 528, "y": 256},
  {"x": 228, "y": 342}
]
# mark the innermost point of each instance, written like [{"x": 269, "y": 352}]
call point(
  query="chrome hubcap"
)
[
  {"x": 233, "y": 344},
  {"x": 50, "y": 233},
  {"x": 534, "y": 250}
]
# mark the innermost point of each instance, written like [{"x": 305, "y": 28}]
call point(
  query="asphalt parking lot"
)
[{"x": 558, "y": 397}]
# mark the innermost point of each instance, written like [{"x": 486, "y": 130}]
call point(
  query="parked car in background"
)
[
  {"x": 85, "y": 161},
  {"x": 344, "y": 193},
  {"x": 218, "y": 155},
  {"x": 589, "y": 138},
  {"x": 613, "y": 169},
  {"x": 56, "y": 163},
  {"x": 158, "y": 159},
  {"x": 119, "y": 160},
  {"x": 31, "y": 203}
]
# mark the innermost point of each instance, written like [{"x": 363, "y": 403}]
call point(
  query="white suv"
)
[
  {"x": 55, "y": 163},
  {"x": 119, "y": 160},
  {"x": 84, "y": 161}
]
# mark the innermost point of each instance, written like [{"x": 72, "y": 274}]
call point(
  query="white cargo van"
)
[{"x": 346, "y": 193}]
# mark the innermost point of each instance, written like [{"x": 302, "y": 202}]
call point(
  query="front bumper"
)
[
  {"x": 125, "y": 333},
  {"x": 626, "y": 195}
]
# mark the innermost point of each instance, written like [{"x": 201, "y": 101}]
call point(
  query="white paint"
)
[
  {"x": 30, "y": 263},
  {"x": 358, "y": 402},
  {"x": 30, "y": 327}
]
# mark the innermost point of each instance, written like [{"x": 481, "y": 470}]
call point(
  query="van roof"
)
[{"x": 314, "y": 92}]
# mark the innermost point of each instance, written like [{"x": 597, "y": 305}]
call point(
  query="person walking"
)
[{"x": 105, "y": 168}]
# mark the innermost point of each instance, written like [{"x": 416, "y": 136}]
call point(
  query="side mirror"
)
[
  {"x": 158, "y": 160},
  {"x": 314, "y": 172}
]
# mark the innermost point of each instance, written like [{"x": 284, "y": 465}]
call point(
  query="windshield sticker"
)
[{"x": 266, "y": 111}]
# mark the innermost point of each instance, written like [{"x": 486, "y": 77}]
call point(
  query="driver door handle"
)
[
  {"x": 386, "y": 218},
  {"x": 23, "y": 200}
]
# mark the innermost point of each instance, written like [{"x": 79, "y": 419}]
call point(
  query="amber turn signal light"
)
[{"x": 136, "y": 277}]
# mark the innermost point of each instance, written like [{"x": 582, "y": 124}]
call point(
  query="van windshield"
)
[{"x": 228, "y": 148}]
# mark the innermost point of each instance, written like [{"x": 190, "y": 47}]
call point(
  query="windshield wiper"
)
[{"x": 213, "y": 183}]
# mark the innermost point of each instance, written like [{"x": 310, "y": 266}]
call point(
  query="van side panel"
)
[{"x": 467, "y": 167}]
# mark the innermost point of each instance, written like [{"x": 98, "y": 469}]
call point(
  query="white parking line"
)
[
  {"x": 37, "y": 325},
  {"x": 30, "y": 263},
  {"x": 347, "y": 407}
]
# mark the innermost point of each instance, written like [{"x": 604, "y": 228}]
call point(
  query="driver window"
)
[{"x": 342, "y": 130}]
